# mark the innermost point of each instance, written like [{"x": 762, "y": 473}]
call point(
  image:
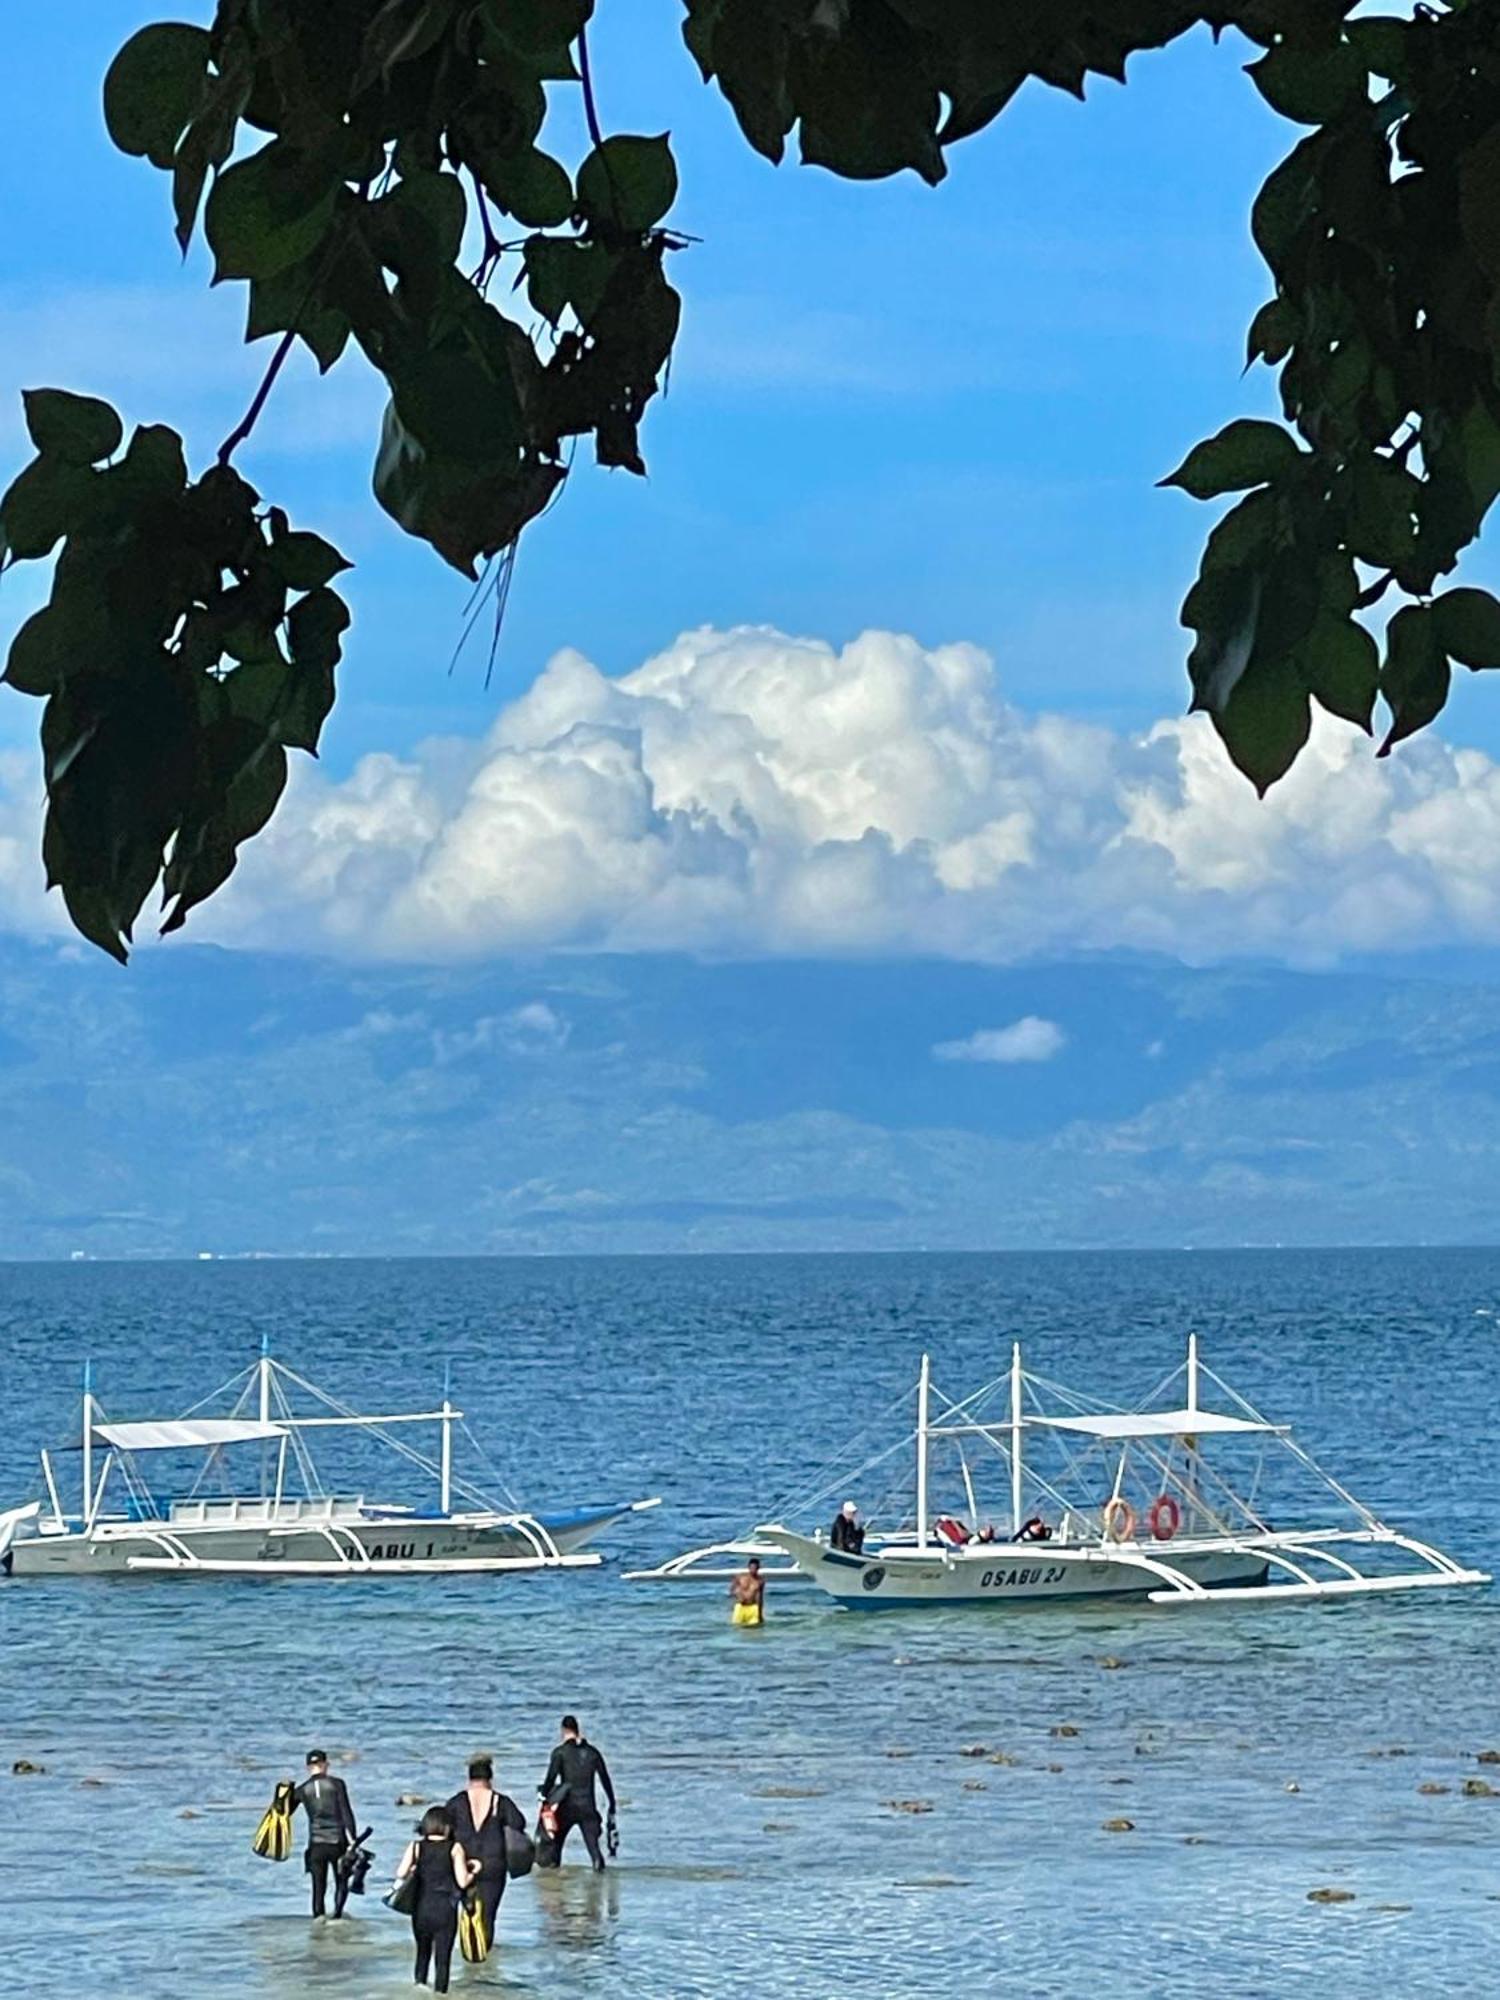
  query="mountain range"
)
[{"x": 208, "y": 1102}]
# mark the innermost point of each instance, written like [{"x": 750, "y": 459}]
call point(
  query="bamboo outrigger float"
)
[
  {"x": 1102, "y": 1502},
  {"x": 290, "y": 1524}
]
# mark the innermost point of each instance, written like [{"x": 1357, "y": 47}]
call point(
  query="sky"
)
[{"x": 931, "y": 417}]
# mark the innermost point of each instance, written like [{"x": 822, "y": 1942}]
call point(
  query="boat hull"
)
[
  {"x": 1002, "y": 1573},
  {"x": 364, "y": 1544}
]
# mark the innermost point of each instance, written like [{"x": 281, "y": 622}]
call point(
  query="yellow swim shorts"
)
[{"x": 745, "y": 1614}]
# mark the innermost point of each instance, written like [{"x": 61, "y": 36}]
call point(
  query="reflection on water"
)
[{"x": 856, "y": 1807}]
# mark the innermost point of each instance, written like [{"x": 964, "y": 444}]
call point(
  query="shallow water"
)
[{"x": 764, "y": 1848}]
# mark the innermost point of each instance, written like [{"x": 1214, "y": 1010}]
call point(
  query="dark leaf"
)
[
  {"x": 1265, "y": 722},
  {"x": 1312, "y": 85},
  {"x": 1414, "y": 680},
  {"x": 80, "y": 429},
  {"x": 1341, "y": 665},
  {"x": 303, "y": 561},
  {"x": 1246, "y": 453},
  {"x": 1467, "y": 623},
  {"x": 269, "y": 212},
  {"x": 627, "y": 185},
  {"x": 42, "y": 504},
  {"x": 154, "y": 87}
]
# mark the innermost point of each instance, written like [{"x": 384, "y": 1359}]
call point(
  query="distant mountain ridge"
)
[{"x": 235, "y": 1103}]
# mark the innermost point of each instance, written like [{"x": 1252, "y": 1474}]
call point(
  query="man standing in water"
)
[
  {"x": 330, "y": 1830},
  {"x": 569, "y": 1786},
  {"x": 747, "y": 1593}
]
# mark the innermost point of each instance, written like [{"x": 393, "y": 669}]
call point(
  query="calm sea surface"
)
[{"x": 1260, "y": 1754}]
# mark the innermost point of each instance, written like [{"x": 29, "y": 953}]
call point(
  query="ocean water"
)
[{"x": 1260, "y": 1754}]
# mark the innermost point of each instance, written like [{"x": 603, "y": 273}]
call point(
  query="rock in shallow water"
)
[
  {"x": 1119, "y": 1826},
  {"x": 24, "y": 1768},
  {"x": 1330, "y": 1896}
]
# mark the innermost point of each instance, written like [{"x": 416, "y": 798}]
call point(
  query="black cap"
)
[{"x": 317, "y": 1756}]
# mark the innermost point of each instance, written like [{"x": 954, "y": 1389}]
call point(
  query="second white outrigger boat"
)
[
  {"x": 289, "y": 1523},
  {"x": 1102, "y": 1503}
]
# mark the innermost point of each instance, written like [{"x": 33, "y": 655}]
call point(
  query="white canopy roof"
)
[
  {"x": 186, "y": 1433},
  {"x": 1154, "y": 1423}
]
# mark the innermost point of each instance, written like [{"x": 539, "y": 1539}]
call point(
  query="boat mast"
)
[
  {"x": 88, "y": 1438},
  {"x": 924, "y": 1382},
  {"x": 1015, "y": 1438},
  {"x": 1192, "y": 1372},
  {"x": 446, "y": 1487}
]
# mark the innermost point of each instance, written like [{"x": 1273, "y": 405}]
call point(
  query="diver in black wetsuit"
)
[
  {"x": 330, "y": 1830},
  {"x": 443, "y": 1872},
  {"x": 569, "y": 1785},
  {"x": 480, "y": 1816}
]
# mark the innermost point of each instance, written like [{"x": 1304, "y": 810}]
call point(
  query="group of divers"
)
[{"x": 452, "y": 1873}]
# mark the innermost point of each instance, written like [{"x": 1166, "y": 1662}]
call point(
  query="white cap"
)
[{"x": 850, "y": 1509}]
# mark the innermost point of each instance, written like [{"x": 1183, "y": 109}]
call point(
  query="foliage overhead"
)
[{"x": 367, "y": 168}]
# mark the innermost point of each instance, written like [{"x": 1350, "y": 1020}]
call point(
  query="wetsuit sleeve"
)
[
  {"x": 602, "y": 1770},
  {"x": 346, "y": 1810},
  {"x": 554, "y": 1773},
  {"x": 299, "y": 1797},
  {"x": 511, "y": 1815}
]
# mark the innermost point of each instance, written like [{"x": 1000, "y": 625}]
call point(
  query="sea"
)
[{"x": 1127, "y": 1800}]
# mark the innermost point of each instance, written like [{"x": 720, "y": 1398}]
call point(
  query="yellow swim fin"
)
[
  {"x": 273, "y": 1837},
  {"x": 473, "y": 1932}
]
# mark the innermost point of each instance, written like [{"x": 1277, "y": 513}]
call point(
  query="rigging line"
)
[
  {"x": 488, "y": 1464},
  {"x": 311, "y": 1483},
  {"x": 225, "y": 1389},
  {"x": 395, "y": 1444}
]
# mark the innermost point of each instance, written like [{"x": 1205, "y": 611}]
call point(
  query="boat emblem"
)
[{"x": 873, "y": 1577}]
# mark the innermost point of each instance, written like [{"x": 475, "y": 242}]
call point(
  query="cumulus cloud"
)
[
  {"x": 746, "y": 792},
  {"x": 1029, "y": 1040}
]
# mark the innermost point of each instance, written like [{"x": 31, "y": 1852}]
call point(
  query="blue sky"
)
[
  {"x": 896, "y": 410},
  {"x": 940, "y": 412}
]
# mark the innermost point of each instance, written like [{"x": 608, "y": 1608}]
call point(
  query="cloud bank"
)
[{"x": 745, "y": 792}]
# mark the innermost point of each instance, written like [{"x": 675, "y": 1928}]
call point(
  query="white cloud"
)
[
  {"x": 1029, "y": 1040},
  {"x": 746, "y": 792}
]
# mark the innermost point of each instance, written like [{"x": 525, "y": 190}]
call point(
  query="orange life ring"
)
[
  {"x": 1119, "y": 1510},
  {"x": 1165, "y": 1517}
]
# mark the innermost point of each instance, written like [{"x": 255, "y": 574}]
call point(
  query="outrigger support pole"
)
[{"x": 924, "y": 1385}]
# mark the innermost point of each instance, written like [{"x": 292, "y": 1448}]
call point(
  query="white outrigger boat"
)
[
  {"x": 290, "y": 1524},
  {"x": 1102, "y": 1503}
]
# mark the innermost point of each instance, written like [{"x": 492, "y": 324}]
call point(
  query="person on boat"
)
[
  {"x": 569, "y": 1786},
  {"x": 847, "y": 1534},
  {"x": 444, "y": 1872},
  {"x": 480, "y": 1817},
  {"x": 747, "y": 1594},
  {"x": 1034, "y": 1530},
  {"x": 331, "y": 1830}
]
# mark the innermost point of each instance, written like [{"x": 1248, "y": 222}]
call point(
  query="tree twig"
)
[
  {"x": 585, "y": 77},
  {"x": 251, "y": 417}
]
